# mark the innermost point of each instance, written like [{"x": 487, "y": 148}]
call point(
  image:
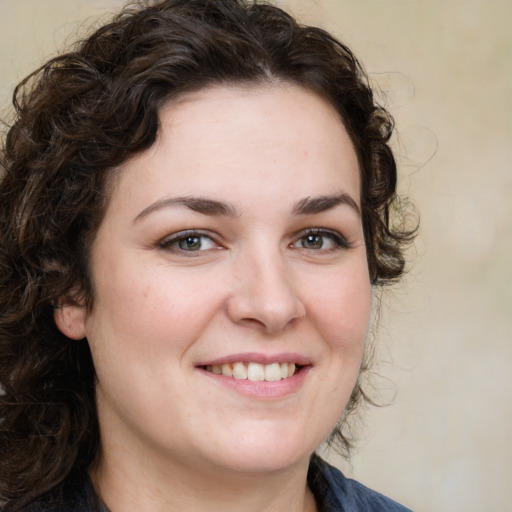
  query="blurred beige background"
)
[{"x": 445, "y": 70}]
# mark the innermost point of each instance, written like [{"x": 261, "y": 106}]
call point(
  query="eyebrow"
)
[
  {"x": 212, "y": 207},
  {"x": 198, "y": 204},
  {"x": 312, "y": 205}
]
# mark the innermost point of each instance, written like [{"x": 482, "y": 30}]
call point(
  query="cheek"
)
[
  {"x": 341, "y": 306},
  {"x": 156, "y": 311},
  {"x": 341, "y": 313}
]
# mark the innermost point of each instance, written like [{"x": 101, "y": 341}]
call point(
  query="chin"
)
[
  {"x": 271, "y": 462},
  {"x": 267, "y": 453}
]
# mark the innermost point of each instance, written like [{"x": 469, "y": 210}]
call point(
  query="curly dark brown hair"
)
[{"x": 84, "y": 113}]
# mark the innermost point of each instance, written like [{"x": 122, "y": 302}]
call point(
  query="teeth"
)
[
  {"x": 227, "y": 370},
  {"x": 272, "y": 372},
  {"x": 254, "y": 372},
  {"x": 239, "y": 371}
]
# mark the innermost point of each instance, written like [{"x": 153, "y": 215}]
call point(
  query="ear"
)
[{"x": 70, "y": 319}]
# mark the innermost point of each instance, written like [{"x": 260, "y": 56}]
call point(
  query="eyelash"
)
[
  {"x": 340, "y": 242},
  {"x": 171, "y": 242}
]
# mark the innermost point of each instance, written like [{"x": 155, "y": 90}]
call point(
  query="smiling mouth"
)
[{"x": 254, "y": 372}]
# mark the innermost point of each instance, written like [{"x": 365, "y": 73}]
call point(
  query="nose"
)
[{"x": 264, "y": 293}]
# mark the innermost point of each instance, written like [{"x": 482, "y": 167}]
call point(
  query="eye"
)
[
  {"x": 188, "y": 241},
  {"x": 320, "y": 240}
]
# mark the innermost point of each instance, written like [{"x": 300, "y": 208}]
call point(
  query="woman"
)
[{"x": 195, "y": 209}]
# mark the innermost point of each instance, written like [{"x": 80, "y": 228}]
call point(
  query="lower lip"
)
[{"x": 262, "y": 390}]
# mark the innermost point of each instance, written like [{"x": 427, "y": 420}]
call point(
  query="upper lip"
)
[{"x": 255, "y": 357}]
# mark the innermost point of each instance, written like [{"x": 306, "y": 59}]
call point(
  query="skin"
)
[{"x": 255, "y": 282}]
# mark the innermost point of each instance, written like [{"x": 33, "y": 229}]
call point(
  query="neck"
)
[{"x": 133, "y": 485}]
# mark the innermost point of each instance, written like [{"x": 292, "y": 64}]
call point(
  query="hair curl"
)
[{"x": 87, "y": 111}]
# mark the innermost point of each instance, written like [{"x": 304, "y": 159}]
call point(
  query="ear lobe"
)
[{"x": 70, "y": 319}]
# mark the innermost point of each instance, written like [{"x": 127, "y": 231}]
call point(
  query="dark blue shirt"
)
[{"x": 336, "y": 493}]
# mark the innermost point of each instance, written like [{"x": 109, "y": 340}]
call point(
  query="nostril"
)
[{"x": 251, "y": 322}]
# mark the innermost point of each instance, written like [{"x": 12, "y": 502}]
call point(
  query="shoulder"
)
[{"x": 336, "y": 493}]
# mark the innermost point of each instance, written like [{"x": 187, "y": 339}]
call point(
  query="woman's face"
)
[{"x": 231, "y": 251}]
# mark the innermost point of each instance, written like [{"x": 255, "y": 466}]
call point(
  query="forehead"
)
[
  {"x": 237, "y": 139},
  {"x": 252, "y": 109}
]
